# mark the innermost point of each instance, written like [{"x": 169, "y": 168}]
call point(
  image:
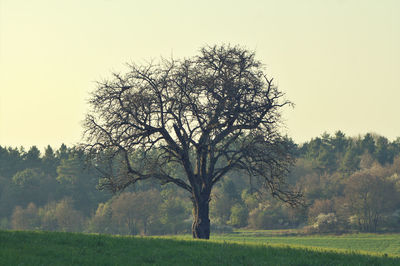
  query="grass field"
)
[
  {"x": 373, "y": 243},
  {"x": 49, "y": 248}
]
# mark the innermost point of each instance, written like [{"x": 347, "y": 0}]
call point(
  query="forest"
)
[{"x": 349, "y": 184}]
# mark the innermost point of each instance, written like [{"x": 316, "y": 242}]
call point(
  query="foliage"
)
[
  {"x": 62, "y": 181},
  {"x": 136, "y": 210},
  {"x": 239, "y": 215},
  {"x": 369, "y": 196},
  {"x": 27, "y": 219},
  {"x": 325, "y": 223},
  {"x": 55, "y": 216},
  {"x": 320, "y": 206},
  {"x": 174, "y": 213}
]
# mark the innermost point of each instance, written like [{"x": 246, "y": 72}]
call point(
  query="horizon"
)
[{"x": 43, "y": 148}]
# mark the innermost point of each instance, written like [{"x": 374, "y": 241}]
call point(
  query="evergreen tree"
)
[
  {"x": 50, "y": 162},
  {"x": 32, "y": 158}
]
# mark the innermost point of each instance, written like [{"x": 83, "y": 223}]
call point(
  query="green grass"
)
[
  {"x": 370, "y": 243},
  {"x": 49, "y": 248}
]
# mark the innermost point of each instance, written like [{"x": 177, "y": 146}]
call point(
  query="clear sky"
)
[{"x": 337, "y": 60}]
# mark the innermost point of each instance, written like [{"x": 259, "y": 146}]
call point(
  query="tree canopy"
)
[{"x": 208, "y": 115}]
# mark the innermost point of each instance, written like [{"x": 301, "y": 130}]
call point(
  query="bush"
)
[{"x": 325, "y": 223}]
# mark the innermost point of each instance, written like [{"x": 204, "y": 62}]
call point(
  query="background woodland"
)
[{"x": 349, "y": 184}]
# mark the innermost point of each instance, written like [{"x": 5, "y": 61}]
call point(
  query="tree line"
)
[{"x": 349, "y": 183}]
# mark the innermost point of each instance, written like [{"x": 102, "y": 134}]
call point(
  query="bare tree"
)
[{"x": 208, "y": 115}]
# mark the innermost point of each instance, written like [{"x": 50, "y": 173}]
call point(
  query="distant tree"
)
[
  {"x": 239, "y": 215},
  {"x": 25, "y": 219},
  {"x": 382, "y": 152},
  {"x": 101, "y": 221},
  {"x": 326, "y": 160},
  {"x": 366, "y": 160},
  {"x": 48, "y": 220},
  {"x": 148, "y": 209},
  {"x": 124, "y": 213},
  {"x": 136, "y": 210},
  {"x": 49, "y": 161},
  {"x": 61, "y": 216},
  {"x": 173, "y": 213},
  {"x": 9, "y": 197},
  {"x": 79, "y": 182},
  {"x": 34, "y": 186},
  {"x": 351, "y": 160},
  {"x": 68, "y": 219},
  {"x": 369, "y": 196},
  {"x": 395, "y": 168},
  {"x": 224, "y": 197},
  {"x": 395, "y": 146},
  {"x": 62, "y": 152},
  {"x": 319, "y": 206},
  {"x": 368, "y": 143},
  {"x": 10, "y": 161},
  {"x": 28, "y": 178},
  {"x": 32, "y": 158},
  {"x": 312, "y": 148},
  {"x": 268, "y": 215},
  {"x": 207, "y": 115},
  {"x": 339, "y": 142},
  {"x": 251, "y": 201}
]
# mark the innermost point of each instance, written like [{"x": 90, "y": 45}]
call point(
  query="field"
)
[
  {"x": 373, "y": 243},
  {"x": 50, "y": 248}
]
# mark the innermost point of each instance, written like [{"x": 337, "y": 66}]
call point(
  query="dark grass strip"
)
[{"x": 54, "y": 248}]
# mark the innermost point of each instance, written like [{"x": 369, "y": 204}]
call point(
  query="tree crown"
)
[{"x": 209, "y": 114}]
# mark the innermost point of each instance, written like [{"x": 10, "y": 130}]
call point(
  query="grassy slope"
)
[
  {"x": 377, "y": 243},
  {"x": 44, "y": 248}
]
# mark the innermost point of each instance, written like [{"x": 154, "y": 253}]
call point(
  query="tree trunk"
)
[{"x": 201, "y": 220}]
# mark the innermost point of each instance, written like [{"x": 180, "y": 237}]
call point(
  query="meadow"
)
[
  {"x": 57, "y": 248},
  {"x": 388, "y": 244}
]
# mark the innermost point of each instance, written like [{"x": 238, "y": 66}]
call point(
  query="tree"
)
[
  {"x": 382, "y": 151},
  {"x": 239, "y": 215},
  {"x": 79, "y": 182},
  {"x": 208, "y": 115},
  {"x": 369, "y": 196},
  {"x": 34, "y": 186},
  {"x": 132, "y": 210},
  {"x": 61, "y": 216},
  {"x": 368, "y": 143},
  {"x": 101, "y": 221},
  {"x": 49, "y": 161},
  {"x": 25, "y": 219},
  {"x": 320, "y": 206},
  {"x": 174, "y": 211},
  {"x": 224, "y": 197},
  {"x": 10, "y": 161},
  {"x": 351, "y": 160},
  {"x": 339, "y": 142},
  {"x": 32, "y": 158}
]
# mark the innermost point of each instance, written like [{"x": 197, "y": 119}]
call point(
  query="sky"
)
[{"x": 338, "y": 61}]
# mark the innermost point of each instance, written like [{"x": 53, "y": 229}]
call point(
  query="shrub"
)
[{"x": 325, "y": 223}]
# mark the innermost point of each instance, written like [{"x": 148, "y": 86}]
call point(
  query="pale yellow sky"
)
[{"x": 337, "y": 60}]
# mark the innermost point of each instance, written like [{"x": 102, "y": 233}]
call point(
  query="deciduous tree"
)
[
  {"x": 369, "y": 196},
  {"x": 208, "y": 115}
]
